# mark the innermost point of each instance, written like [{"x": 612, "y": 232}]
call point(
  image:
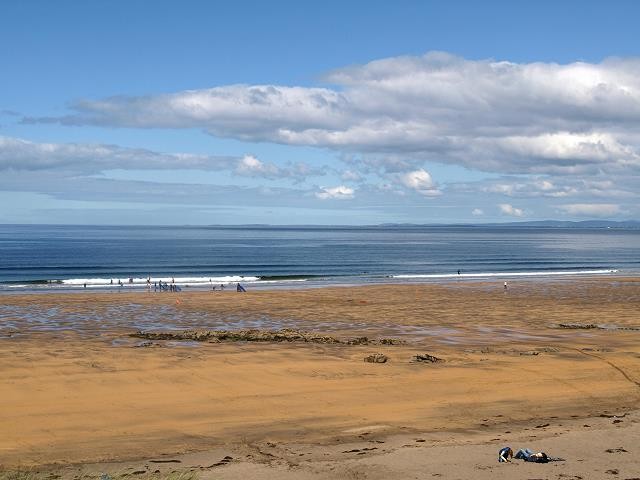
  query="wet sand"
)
[{"x": 77, "y": 389}]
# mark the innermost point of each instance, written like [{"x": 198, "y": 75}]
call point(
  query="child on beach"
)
[{"x": 505, "y": 454}]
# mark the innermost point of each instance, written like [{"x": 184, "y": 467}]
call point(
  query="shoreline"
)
[
  {"x": 305, "y": 282},
  {"x": 87, "y": 392}
]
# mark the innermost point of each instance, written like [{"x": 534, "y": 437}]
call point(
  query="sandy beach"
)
[{"x": 548, "y": 365}]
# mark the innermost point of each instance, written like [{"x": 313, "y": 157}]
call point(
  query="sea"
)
[{"x": 55, "y": 258}]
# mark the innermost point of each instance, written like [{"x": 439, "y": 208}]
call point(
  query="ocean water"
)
[{"x": 42, "y": 258}]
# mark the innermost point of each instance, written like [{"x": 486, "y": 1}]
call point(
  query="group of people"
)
[{"x": 161, "y": 286}]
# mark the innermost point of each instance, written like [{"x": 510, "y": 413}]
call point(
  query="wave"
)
[
  {"x": 163, "y": 279},
  {"x": 206, "y": 282},
  {"x": 507, "y": 274},
  {"x": 142, "y": 281}
]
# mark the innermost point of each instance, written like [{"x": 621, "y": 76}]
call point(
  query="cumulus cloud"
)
[
  {"x": 420, "y": 181},
  {"x": 335, "y": 193},
  {"x": 477, "y": 212},
  {"x": 599, "y": 210},
  {"x": 508, "y": 209},
  {"x": 494, "y": 116},
  {"x": 78, "y": 158},
  {"x": 251, "y": 166}
]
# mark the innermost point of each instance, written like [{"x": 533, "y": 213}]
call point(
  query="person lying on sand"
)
[{"x": 527, "y": 455}]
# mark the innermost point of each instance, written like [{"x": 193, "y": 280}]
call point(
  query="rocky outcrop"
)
[
  {"x": 253, "y": 335},
  {"x": 284, "y": 335}
]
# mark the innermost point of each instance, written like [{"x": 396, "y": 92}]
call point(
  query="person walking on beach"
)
[{"x": 506, "y": 287}]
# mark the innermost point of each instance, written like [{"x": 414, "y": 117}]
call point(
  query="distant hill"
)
[
  {"x": 634, "y": 224},
  {"x": 627, "y": 224}
]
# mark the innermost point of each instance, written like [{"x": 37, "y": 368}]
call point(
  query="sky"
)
[{"x": 333, "y": 112}]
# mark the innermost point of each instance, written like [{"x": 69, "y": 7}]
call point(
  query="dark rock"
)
[
  {"x": 425, "y": 357},
  {"x": 376, "y": 358},
  {"x": 222, "y": 462}
]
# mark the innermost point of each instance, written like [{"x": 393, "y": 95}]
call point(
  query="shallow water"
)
[{"x": 86, "y": 321}]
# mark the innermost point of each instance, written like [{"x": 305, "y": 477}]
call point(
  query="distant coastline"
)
[{"x": 623, "y": 224}]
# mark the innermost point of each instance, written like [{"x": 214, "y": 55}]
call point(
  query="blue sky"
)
[{"x": 331, "y": 113}]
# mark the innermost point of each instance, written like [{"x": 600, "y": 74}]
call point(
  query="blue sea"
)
[{"x": 59, "y": 258}]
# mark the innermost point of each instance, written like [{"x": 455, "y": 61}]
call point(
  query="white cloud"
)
[
  {"x": 507, "y": 209},
  {"x": 335, "y": 193},
  {"x": 495, "y": 116},
  {"x": 591, "y": 209},
  {"x": 477, "y": 212},
  {"x": 531, "y": 187},
  {"x": 24, "y": 155},
  {"x": 420, "y": 181},
  {"x": 250, "y": 166},
  {"x": 86, "y": 158}
]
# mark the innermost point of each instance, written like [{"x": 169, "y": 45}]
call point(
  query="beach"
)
[{"x": 552, "y": 365}]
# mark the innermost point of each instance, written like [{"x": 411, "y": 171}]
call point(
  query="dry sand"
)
[{"x": 76, "y": 389}]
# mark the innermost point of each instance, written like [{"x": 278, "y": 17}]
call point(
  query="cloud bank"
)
[
  {"x": 79, "y": 158},
  {"x": 492, "y": 116},
  {"x": 549, "y": 138}
]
